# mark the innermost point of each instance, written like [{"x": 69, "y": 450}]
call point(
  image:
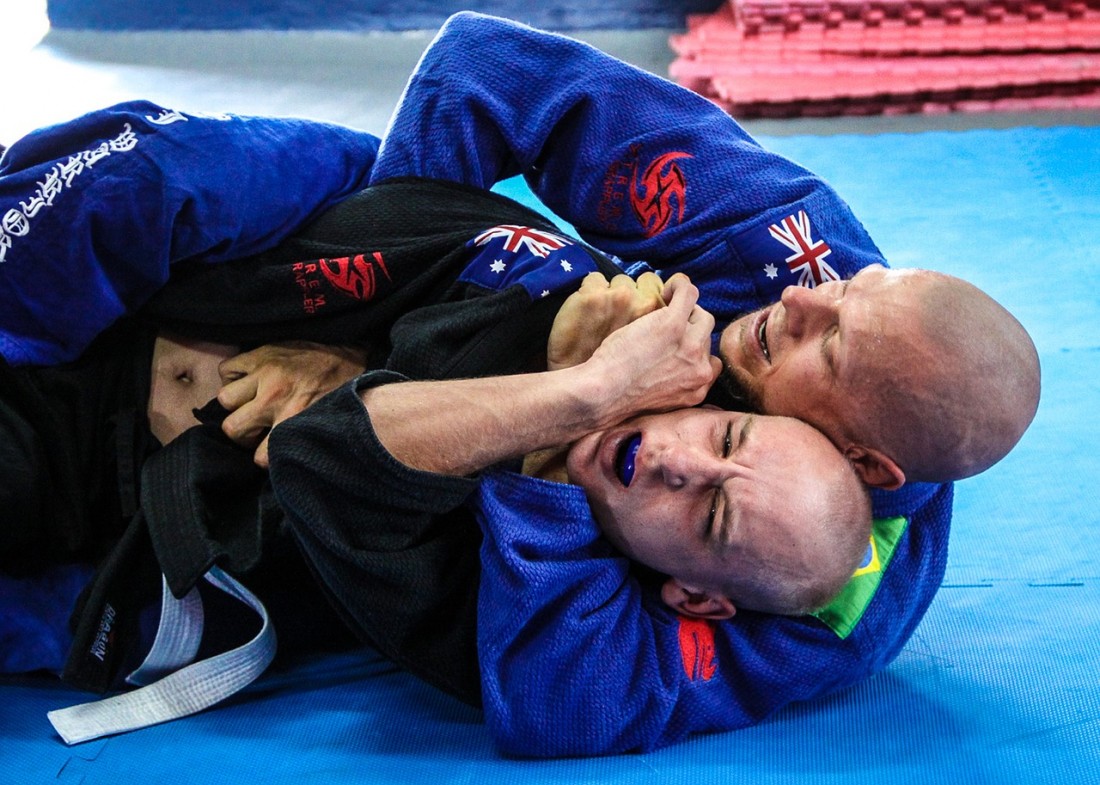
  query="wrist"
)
[{"x": 595, "y": 396}]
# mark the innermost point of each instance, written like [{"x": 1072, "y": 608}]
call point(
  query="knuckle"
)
[
  {"x": 232, "y": 429},
  {"x": 225, "y": 397},
  {"x": 621, "y": 297}
]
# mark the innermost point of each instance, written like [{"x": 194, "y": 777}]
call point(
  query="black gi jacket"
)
[{"x": 200, "y": 500}]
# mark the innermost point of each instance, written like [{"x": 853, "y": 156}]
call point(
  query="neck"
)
[{"x": 548, "y": 464}]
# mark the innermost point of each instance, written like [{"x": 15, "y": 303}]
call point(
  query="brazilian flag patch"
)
[{"x": 847, "y": 608}]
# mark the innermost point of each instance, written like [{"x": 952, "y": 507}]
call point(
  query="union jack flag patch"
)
[
  {"x": 517, "y": 238},
  {"x": 787, "y": 252},
  {"x": 807, "y": 259}
]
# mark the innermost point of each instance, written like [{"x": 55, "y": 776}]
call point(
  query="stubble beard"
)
[{"x": 730, "y": 394}]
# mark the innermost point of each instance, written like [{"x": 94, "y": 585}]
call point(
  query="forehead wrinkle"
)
[
  {"x": 738, "y": 491},
  {"x": 830, "y": 358},
  {"x": 740, "y": 496}
]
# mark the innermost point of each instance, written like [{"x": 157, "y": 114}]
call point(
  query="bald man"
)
[{"x": 913, "y": 374}]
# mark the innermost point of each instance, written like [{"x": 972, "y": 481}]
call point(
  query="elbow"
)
[
  {"x": 526, "y": 730},
  {"x": 465, "y": 32}
]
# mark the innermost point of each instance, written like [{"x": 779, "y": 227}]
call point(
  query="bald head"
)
[
  {"x": 912, "y": 374},
  {"x": 834, "y": 529},
  {"x": 958, "y": 385}
]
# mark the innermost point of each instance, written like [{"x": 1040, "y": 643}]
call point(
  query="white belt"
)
[{"x": 187, "y": 688}]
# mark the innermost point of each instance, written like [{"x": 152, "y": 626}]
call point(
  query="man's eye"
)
[{"x": 727, "y": 448}]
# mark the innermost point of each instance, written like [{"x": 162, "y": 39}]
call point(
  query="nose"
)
[
  {"x": 678, "y": 466},
  {"x": 807, "y": 308}
]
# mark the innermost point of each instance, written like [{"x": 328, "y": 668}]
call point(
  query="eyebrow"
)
[
  {"x": 721, "y": 520},
  {"x": 750, "y": 420}
]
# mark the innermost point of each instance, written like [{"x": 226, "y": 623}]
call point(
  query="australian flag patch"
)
[{"x": 542, "y": 262}]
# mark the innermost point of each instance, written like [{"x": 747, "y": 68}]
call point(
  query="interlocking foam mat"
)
[{"x": 999, "y": 684}]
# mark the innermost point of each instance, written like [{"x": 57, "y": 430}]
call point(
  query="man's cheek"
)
[
  {"x": 787, "y": 393},
  {"x": 730, "y": 350}
]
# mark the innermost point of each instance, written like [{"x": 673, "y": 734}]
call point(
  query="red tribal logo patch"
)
[
  {"x": 697, "y": 648},
  {"x": 354, "y": 276},
  {"x": 659, "y": 192}
]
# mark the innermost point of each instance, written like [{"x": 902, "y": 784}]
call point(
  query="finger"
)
[
  {"x": 700, "y": 315},
  {"x": 681, "y": 294},
  {"x": 650, "y": 283},
  {"x": 676, "y": 283},
  {"x": 622, "y": 280},
  {"x": 715, "y": 369},
  {"x": 239, "y": 365},
  {"x": 593, "y": 282},
  {"x": 244, "y": 427},
  {"x": 649, "y": 295},
  {"x": 700, "y": 326},
  {"x": 237, "y": 393},
  {"x": 230, "y": 373},
  {"x": 260, "y": 456}
]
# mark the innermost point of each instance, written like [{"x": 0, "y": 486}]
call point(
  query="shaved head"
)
[
  {"x": 963, "y": 388},
  {"x": 913, "y": 374}
]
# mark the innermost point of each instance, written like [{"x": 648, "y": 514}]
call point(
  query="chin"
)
[{"x": 606, "y": 523}]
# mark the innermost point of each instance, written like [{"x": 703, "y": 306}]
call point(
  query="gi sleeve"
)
[
  {"x": 643, "y": 168},
  {"x": 94, "y": 211},
  {"x": 330, "y": 472},
  {"x": 392, "y": 546},
  {"x": 578, "y": 659}
]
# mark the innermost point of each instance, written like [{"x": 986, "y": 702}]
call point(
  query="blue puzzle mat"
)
[{"x": 1001, "y": 682}]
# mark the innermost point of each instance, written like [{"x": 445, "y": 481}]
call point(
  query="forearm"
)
[
  {"x": 641, "y": 167},
  {"x": 661, "y": 361},
  {"x": 459, "y": 427},
  {"x": 492, "y": 98}
]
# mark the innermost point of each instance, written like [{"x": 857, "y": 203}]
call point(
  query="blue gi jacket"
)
[{"x": 576, "y": 658}]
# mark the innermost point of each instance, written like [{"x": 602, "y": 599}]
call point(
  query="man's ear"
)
[
  {"x": 693, "y": 601},
  {"x": 874, "y": 467}
]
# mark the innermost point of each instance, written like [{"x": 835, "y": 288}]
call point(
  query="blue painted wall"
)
[{"x": 363, "y": 14}]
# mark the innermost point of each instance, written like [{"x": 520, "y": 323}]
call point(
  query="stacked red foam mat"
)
[{"x": 791, "y": 58}]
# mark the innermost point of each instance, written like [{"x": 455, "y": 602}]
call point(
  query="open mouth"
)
[{"x": 624, "y": 459}]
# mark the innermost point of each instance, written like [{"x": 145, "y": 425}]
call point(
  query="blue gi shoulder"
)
[{"x": 643, "y": 168}]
